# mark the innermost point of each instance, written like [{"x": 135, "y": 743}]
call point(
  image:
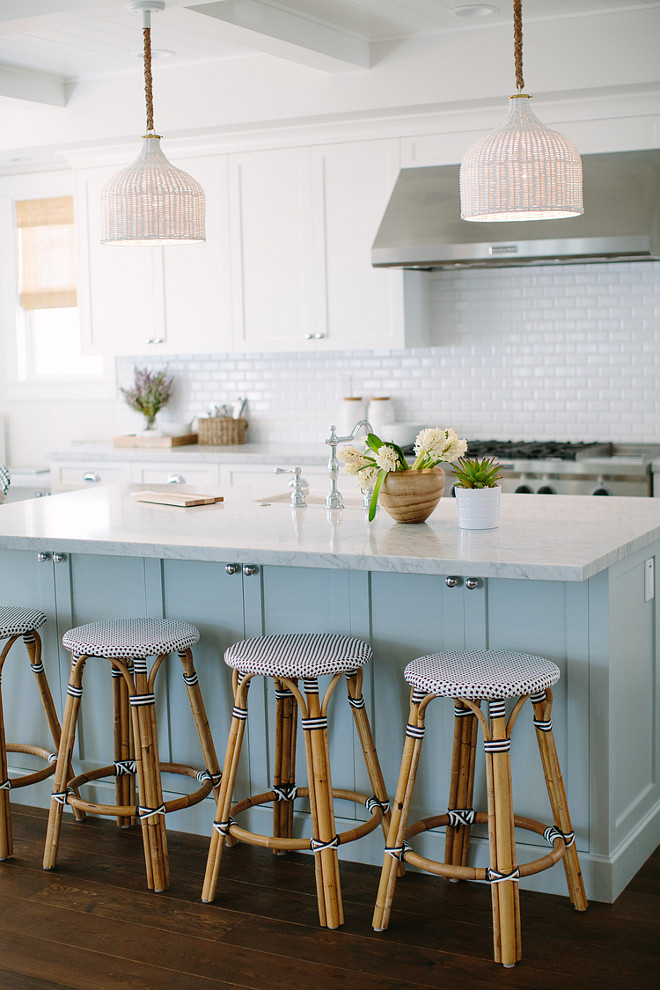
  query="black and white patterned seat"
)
[
  {"x": 298, "y": 655},
  {"x": 5, "y": 481},
  {"x": 481, "y": 674},
  {"x": 16, "y": 621},
  {"x": 134, "y": 638}
]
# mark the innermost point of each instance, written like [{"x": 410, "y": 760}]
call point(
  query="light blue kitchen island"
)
[{"x": 571, "y": 578}]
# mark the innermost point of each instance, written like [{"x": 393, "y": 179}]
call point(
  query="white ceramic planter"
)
[{"x": 478, "y": 508}]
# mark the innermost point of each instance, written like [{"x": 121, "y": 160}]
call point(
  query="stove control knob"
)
[
  {"x": 601, "y": 488},
  {"x": 524, "y": 490},
  {"x": 546, "y": 490}
]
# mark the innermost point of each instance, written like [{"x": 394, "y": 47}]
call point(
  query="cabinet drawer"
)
[
  {"x": 198, "y": 476},
  {"x": 69, "y": 477},
  {"x": 263, "y": 477}
]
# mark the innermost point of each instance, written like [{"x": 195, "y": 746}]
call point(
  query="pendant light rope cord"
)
[
  {"x": 148, "y": 81},
  {"x": 518, "y": 44}
]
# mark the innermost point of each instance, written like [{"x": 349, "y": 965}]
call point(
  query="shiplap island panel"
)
[{"x": 565, "y": 576}]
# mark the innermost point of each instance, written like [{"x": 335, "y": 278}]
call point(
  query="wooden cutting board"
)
[
  {"x": 157, "y": 441},
  {"x": 177, "y": 498}
]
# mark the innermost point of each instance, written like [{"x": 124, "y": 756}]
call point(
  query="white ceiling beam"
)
[
  {"x": 33, "y": 87},
  {"x": 256, "y": 25}
]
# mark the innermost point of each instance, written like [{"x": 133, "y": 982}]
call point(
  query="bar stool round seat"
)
[
  {"x": 23, "y": 622},
  {"x": 471, "y": 677},
  {"x": 288, "y": 658},
  {"x": 128, "y": 644}
]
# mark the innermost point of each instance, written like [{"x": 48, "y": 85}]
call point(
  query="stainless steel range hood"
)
[{"x": 621, "y": 221}]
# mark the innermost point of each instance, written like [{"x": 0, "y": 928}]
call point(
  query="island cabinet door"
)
[
  {"x": 28, "y": 581},
  {"x": 210, "y": 595},
  {"x": 413, "y": 615}
]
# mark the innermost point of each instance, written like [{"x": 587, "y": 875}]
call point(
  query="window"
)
[{"x": 49, "y": 320}]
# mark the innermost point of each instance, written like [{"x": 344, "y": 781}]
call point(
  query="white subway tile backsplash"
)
[{"x": 551, "y": 353}]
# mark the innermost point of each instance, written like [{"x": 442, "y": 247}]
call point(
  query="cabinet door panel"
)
[
  {"x": 24, "y": 718},
  {"x": 271, "y": 248}
]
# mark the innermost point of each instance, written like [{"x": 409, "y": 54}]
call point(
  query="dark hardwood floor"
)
[{"x": 91, "y": 924}]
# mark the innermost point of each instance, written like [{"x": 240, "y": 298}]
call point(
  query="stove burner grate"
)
[{"x": 535, "y": 450}]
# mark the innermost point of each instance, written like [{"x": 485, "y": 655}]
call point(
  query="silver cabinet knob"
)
[
  {"x": 41, "y": 557},
  {"x": 176, "y": 479},
  {"x": 154, "y": 340},
  {"x": 91, "y": 476},
  {"x": 452, "y": 582},
  {"x": 59, "y": 557},
  {"x": 232, "y": 568},
  {"x": 250, "y": 569},
  {"x": 314, "y": 336},
  {"x": 472, "y": 583}
]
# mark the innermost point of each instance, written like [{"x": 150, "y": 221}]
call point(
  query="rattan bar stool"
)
[
  {"x": 18, "y": 622},
  {"x": 288, "y": 659},
  {"x": 469, "y": 678},
  {"x": 127, "y": 644}
]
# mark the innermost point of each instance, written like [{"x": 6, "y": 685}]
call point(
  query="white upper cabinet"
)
[
  {"x": 150, "y": 299},
  {"x": 273, "y": 272},
  {"x": 286, "y": 265},
  {"x": 303, "y": 221}
]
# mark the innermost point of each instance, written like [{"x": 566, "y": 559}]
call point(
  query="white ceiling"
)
[{"x": 47, "y": 43}]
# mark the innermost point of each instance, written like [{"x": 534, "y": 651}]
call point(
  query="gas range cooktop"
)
[{"x": 537, "y": 450}]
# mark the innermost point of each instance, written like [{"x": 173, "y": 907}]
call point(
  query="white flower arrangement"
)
[{"x": 372, "y": 465}]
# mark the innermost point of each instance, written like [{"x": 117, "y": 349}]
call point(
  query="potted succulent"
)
[
  {"x": 150, "y": 392},
  {"x": 477, "y": 492},
  {"x": 408, "y": 493}
]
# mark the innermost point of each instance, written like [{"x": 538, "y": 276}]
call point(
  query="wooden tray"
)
[
  {"x": 177, "y": 498},
  {"x": 144, "y": 440}
]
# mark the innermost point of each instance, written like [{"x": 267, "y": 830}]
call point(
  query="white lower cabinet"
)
[
  {"x": 67, "y": 476},
  {"x": 195, "y": 475}
]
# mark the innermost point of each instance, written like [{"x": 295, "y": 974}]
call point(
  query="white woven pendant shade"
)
[
  {"x": 151, "y": 201},
  {"x": 523, "y": 171}
]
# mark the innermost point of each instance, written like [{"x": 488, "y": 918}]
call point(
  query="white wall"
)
[{"x": 570, "y": 353}]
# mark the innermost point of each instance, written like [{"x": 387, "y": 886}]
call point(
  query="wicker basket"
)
[{"x": 220, "y": 429}]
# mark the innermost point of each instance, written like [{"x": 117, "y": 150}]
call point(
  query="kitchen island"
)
[{"x": 567, "y": 577}]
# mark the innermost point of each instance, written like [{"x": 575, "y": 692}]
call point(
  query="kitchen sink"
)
[{"x": 350, "y": 501}]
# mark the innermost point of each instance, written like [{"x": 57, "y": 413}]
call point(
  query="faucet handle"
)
[{"x": 298, "y": 492}]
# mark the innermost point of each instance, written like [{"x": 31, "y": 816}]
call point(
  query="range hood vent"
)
[{"x": 422, "y": 228}]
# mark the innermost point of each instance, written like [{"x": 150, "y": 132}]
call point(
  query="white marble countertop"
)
[
  {"x": 563, "y": 538},
  {"x": 248, "y": 453}
]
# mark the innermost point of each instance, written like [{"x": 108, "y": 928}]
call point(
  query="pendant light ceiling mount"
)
[
  {"x": 151, "y": 201},
  {"x": 523, "y": 170}
]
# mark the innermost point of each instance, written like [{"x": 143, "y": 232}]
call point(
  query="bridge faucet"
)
[{"x": 334, "y": 500}]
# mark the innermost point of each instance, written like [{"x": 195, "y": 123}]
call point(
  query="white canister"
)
[
  {"x": 380, "y": 413},
  {"x": 353, "y": 408}
]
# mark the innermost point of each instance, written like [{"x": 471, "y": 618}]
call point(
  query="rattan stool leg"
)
[
  {"x": 123, "y": 746},
  {"x": 284, "y": 772},
  {"x": 200, "y": 718},
  {"x": 229, "y": 772},
  {"x": 394, "y": 844},
  {"x": 6, "y": 845},
  {"x": 151, "y": 810},
  {"x": 461, "y": 784},
  {"x": 323, "y": 818},
  {"x": 503, "y": 870},
  {"x": 64, "y": 756},
  {"x": 363, "y": 728},
  {"x": 555, "y": 785}
]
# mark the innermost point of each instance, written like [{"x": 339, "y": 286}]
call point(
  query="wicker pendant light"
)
[
  {"x": 151, "y": 201},
  {"x": 524, "y": 170}
]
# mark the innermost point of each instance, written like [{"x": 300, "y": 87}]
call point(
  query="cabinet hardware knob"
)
[
  {"x": 472, "y": 583},
  {"x": 250, "y": 569},
  {"x": 452, "y": 582},
  {"x": 154, "y": 340},
  {"x": 59, "y": 557},
  {"x": 232, "y": 568},
  {"x": 91, "y": 476},
  {"x": 41, "y": 557},
  {"x": 314, "y": 336},
  {"x": 176, "y": 479}
]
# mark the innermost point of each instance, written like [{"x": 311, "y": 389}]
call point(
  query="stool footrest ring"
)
[
  {"x": 120, "y": 810},
  {"x": 289, "y": 845},
  {"x": 454, "y": 872},
  {"x": 32, "y": 778}
]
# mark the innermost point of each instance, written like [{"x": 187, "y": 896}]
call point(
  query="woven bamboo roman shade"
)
[
  {"x": 47, "y": 252},
  {"x": 524, "y": 170}
]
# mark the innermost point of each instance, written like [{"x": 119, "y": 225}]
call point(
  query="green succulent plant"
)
[{"x": 471, "y": 472}]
